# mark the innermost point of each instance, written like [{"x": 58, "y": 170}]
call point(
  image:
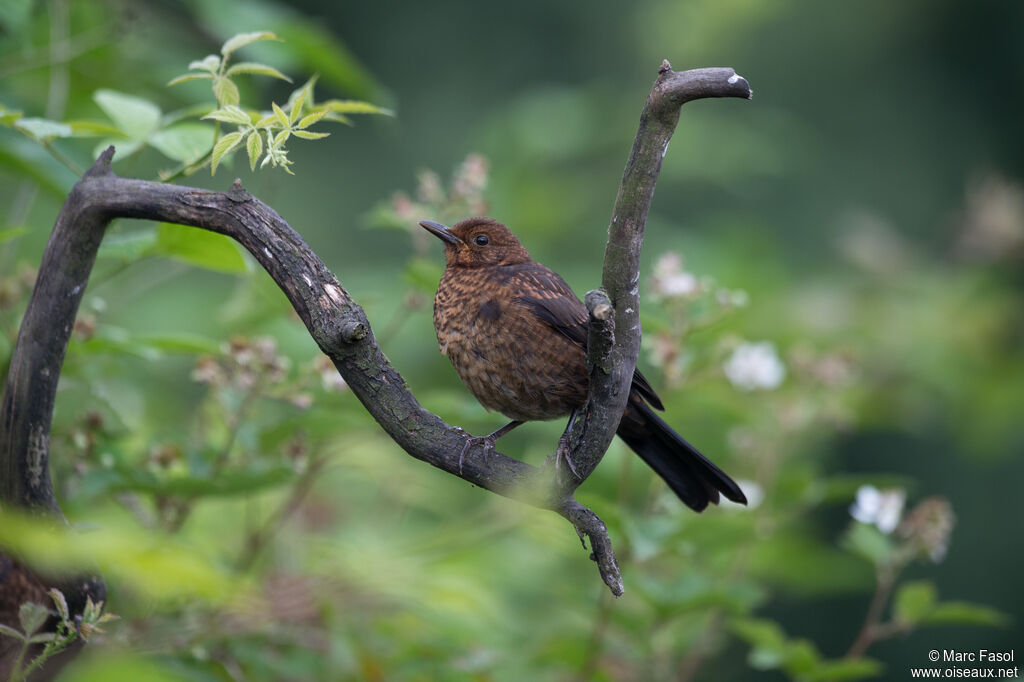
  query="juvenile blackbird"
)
[{"x": 517, "y": 336}]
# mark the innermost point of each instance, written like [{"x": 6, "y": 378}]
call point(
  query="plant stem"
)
[{"x": 884, "y": 582}]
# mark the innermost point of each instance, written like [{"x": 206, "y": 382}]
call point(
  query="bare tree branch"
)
[{"x": 340, "y": 327}]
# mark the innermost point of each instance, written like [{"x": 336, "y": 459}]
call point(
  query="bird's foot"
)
[
  {"x": 563, "y": 453},
  {"x": 487, "y": 441},
  {"x": 472, "y": 441}
]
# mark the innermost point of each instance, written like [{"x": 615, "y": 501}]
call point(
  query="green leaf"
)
[
  {"x": 225, "y": 90},
  {"x": 117, "y": 341},
  {"x": 869, "y": 542},
  {"x": 156, "y": 565},
  {"x": 306, "y": 135},
  {"x": 42, "y": 638},
  {"x": 133, "y": 116},
  {"x": 843, "y": 670},
  {"x": 310, "y": 119},
  {"x": 266, "y": 121},
  {"x": 186, "y": 77},
  {"x": 300, "y": 100},
  {"x": 11, "y": 632},
  {"x": 254, "y": 145},
  {"x": 224, "y": 145},
  {"x": 353, "y": 106},
  {"x": 125, "y": 147},
  {"x": 210, "y": 62},
  {"x": 184, "y": 142},
  {"x": 242, "y": 39},
  {"x": 32, "y": 617},
  {"x": 61, "y": 603},
  {"x": 914, "y": 600},
  {"x": 93, "y": 129},
  {"x": 282, "y": 117},
  {"x": 257, "y": 69},
  {"x": 201, "y": 248},
  {"x": 43, "y": 129},
  {"x": 230, "y": 114},
  {"x": 8, "y": 116},
  {"x": 128, "y": 246},
  {"x": 964, "y": 613}
]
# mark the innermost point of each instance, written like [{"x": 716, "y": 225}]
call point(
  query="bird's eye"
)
[{"x": 481, "y": 240}]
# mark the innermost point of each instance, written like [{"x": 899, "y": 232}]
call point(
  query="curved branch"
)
[
  {"x": 614, "y": 342},
  {"x": 339, "y": 325}
]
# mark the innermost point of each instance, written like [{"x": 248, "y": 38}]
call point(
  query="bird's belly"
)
[{"x": 510, "y": 370}]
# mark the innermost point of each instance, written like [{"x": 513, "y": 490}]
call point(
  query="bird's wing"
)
[{"x": 543, "y": 292}]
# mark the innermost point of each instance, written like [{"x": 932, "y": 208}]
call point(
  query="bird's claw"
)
[
  {"x": 471, "y": 441},
  {"x": 563, "y": 453}
]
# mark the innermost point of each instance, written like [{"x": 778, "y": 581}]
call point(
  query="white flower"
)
[
  {"x": 882, "y": 508},
  {"x": 670, "y": 280},
  {"x": 755, "y": 365}
]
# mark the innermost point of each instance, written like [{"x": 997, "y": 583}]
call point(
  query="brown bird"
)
[{"x": 517, "y": 336}]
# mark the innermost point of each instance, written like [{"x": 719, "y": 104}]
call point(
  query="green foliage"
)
[
  {"x": 276, "y": 125},
  {"x": 772, "y": 649},
  {"x": 32, "y": 617}
]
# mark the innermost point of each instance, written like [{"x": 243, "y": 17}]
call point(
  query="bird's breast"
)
[{"x": 510, "y": 360}]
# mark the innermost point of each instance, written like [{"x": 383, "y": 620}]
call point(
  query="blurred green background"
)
[{"x": 864, "y": 214}]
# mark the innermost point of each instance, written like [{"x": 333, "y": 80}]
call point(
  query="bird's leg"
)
[
  {"x": 563, "y": 445},
  {"x": 487, "y": 441}
]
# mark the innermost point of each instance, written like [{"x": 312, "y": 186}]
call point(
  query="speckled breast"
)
[{"x": 509, "y": 359}]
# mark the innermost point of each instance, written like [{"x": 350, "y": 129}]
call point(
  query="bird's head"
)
[{"x": 478, "y": 242}]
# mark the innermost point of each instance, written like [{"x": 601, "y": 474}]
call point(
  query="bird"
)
[{"x": 517, "y": 336}]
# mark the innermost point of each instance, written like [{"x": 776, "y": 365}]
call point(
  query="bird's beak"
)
[{"x": 441, "y": 231}]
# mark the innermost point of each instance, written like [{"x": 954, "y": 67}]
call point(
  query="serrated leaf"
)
[
  {"x": 257, "y": 69},
  {"x": 32, "y": 616},
  {"x": 225, "y": 91},
  {"x": 201, "y": 248},
  {"x": 186, "y": 77},
  {"x": 184, "y": 142},
  {"x": 224, "y": 146},
  {"x": 306, "y": 135},
  {"x": 254, "y": 145},
  {"x": 299, "y": 102},
  {"x": 134, "y": 117},
  {"x": 230, "y": 114},
  {"x": 282, "y": 117},
  {"x": 210, "y": 62},
  {"x": 914, "y": 600},
  {"x": 42, "y": 128},
  {"x": 60, "y": 602},
  {"x": 281, "y": 138},
  {"x": 242, "y": 39},
  {"x": 354, "y": 106},
  {"x": 310, "y": 119}
]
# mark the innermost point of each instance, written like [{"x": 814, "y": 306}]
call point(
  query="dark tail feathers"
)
[{"x": 693, "y": 477}]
